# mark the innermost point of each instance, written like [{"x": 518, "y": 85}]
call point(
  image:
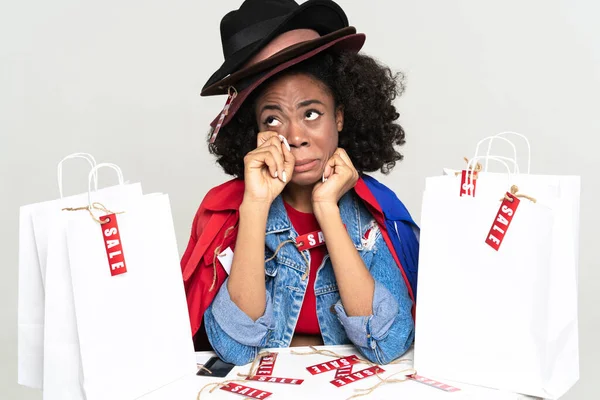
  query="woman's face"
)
[{"x": 303, "y": 110}]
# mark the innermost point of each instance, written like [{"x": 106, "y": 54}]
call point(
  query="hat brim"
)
[
  {"x": 324, "y": 16},
  {"x": 284, "y": 55},
  {"x": 353, "y": 43}
]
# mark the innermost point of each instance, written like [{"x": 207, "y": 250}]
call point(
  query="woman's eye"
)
[
  {"x": 312, "y": 115},
  {"x": 272, "y": 121}
]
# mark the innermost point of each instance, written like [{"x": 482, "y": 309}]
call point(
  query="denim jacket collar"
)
[{"x": 279, "y": 222}]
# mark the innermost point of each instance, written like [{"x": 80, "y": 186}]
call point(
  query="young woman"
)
[{"x": 309, "y": 261}]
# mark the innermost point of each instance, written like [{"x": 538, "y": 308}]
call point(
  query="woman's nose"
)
[{"x": 296, "y": 135}]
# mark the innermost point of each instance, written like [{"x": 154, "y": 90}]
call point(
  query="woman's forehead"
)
[{"x": 297, "y": 86}]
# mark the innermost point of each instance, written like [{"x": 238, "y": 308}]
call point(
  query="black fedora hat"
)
[
  {"x": 348, "y": 43},
  {"x": 244, "y": 32}
]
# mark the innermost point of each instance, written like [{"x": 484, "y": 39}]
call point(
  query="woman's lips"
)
[{"x": 305, "y": 165}]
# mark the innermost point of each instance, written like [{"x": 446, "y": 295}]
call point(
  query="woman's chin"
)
[{"x": 308, "y": 178}]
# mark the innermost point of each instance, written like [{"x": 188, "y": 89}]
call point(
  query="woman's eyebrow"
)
[{"x": 306, "y": 103}]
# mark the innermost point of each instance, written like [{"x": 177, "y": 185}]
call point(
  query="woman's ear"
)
[{"x": 339, "y": 118}]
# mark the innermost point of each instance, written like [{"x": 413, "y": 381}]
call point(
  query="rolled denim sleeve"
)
[
  {"x": 235, "y": 337},
  {"x": 389, "y": 332}
]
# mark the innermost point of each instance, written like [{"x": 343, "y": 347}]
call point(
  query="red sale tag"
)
[
  {"x": 357, "y": 376},
  {"x": 266, "y": 365},
  {"x": 344, "y": 371},
  {"x": 112, "y": 243},
  {"x": 435, "y": 384},
  {"x": 246, "y": 391},
  {"x": 333, "y": 365},
  {"x": 310, "y": 240},
  {"x": 272, "y": 379},
  {"x": 468, "y": 184},
  {"x": 502, "y": 221}
]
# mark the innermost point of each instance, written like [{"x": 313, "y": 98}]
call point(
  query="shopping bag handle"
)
[
  {"x": 59, "y": 169},
  {"x": 499, "y": 136},
  {"x": 94, "y": 172},
  {"x": 472, "y": 163},
  {"x": 491, "y": 139}
]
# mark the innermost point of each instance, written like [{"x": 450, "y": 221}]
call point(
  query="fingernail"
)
[
  {"x": 324, "y": 179},
  {"x": 284, "y": 177},
  {"x": 284, "y": 141},
  {"x": 276, "y": 172}
]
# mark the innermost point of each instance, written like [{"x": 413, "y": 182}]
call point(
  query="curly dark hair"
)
[{"x": 363, "y": 87}]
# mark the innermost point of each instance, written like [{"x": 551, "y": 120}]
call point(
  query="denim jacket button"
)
[{"x": 332, "y": 309}]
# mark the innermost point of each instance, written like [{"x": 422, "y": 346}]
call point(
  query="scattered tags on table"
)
[
  {"x": 246, "y": 391},
  {"x": 344, "y": 371},
  {"x": 333, "y": 365},
  {"x": 432, "y": 383},
  {"x": 266, "y": 365},
  {"x": 273, "y": 379},
  {"x": 356, "y": 376}
]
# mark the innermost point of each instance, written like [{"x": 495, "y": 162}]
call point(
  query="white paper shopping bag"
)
[
  {"x": 31, "y": 283},
  {"x": 553, "y": 365},
  {"x": 30, "y": 306},
  {"x": 132, "y": 321},
  {"x": 482, "y": 314},
  {"x": 63, "y": 374}
]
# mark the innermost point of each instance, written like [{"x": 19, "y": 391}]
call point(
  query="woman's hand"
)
[
  {"x": 268, "y": 168},
  {"x": 339, "y": 177}
]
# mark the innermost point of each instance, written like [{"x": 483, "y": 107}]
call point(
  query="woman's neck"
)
[{"x": 299, "y": 197}]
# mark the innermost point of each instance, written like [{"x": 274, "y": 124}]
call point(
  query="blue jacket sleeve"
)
[
  {"x": 389, "y": 332},
  {"x": 234, "y": 336}
]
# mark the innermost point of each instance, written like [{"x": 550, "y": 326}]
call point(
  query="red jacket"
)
[{"x": 215, "y": 228}]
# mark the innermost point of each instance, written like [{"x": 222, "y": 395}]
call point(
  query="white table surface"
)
[{"x": 315, "y": 387}]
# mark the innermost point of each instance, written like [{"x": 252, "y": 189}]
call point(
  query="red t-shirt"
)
[{"x": 306, "y": 223}]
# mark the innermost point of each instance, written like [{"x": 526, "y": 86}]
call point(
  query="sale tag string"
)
[
  {"x": 96, "y": 206},
  {"x": 203, "y": 368},
  {"x": 478, "y": 168},
  {"x": 305, "y": 275},
  {"x": 216, "y": 254},
  {"x": 330, "y": 353},
  {"x": 514, "y": 189},
  {"x": 407, "y": 373}
]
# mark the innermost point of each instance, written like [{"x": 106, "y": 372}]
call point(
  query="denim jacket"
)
[{"x": 381, "y": 337}]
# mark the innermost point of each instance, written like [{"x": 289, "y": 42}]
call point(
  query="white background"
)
[{"x": 120, "y": 79}]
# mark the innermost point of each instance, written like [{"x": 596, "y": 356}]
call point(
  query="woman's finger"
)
[
  {"x": 277, "y": 153},
  {"x": 337, "y": 160},
  {"x": 263, "y": 137},
  {"x": 261, "y": 158},
  {"x": 273, "y": 160},
  {"x": 344, "y": 156},
  {"x": 274, "y": 149},
  {"x": 274, "y": 142},
  {"x": 328, "y": 169},
  {"x": 289, "y": 161}
]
